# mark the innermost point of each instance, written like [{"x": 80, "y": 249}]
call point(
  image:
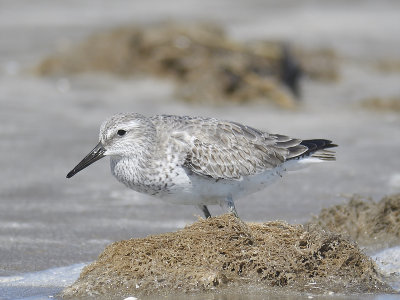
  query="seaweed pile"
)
[
  {"x": 391, "y": 104},
  {"x": 221, "y": 252},
  {"x": 369, "y": 223},
  {"x": 207, "y": 66}
]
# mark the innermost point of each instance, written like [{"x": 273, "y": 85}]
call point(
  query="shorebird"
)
[{"x": 196, "y": 160}]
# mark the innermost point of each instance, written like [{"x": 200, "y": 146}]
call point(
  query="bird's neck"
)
[{"x": 133, "y": 171}]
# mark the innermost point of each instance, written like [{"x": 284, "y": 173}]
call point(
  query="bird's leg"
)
[
  {"x": 205, "y": 211},
  {"x": 230, "y": 205}
]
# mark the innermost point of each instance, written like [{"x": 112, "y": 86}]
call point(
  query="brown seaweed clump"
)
[
  {"x": 206, "y": 65},
  {"x": 387, "y": 65},
  {"x": 382, "y": 104},
  {"x": 365, "y": 221},
  {"x": 221, "y": 252}
]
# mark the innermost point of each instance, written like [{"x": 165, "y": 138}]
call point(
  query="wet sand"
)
[{"x": 48, "y": 123}]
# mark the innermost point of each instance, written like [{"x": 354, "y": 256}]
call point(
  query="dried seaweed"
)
[
  {"x": 391, "y": 104},
  {"x": 221, "y": 252},
  {"x": 367, "y": 222},
  {"x": 206, "y": 65}
]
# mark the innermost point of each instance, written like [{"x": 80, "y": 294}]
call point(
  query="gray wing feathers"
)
[
  {"x": 231, "y": 150},
  {"x": 292, "y": 145}
]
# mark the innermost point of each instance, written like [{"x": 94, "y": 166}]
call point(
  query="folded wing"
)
[{"x": 228, "y": 150}]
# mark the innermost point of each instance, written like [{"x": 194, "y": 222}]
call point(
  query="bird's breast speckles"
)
[{"x": 157, "y": 179}]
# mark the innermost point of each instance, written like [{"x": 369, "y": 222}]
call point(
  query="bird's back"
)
[{"x": 224, "y": 149}]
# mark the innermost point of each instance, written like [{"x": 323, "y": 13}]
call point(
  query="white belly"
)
[
  {"x": 196, "y": 190},
  {"x": 179, "y": 185}
]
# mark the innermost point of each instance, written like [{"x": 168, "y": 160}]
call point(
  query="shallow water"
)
[
  {"x": 38, "y": 285},
  {"x": 388, "y": 261},
  {"x": 49, "y": 124}
]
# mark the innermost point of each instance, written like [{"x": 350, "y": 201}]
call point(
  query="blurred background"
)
[{"x": 308, "y": 69}]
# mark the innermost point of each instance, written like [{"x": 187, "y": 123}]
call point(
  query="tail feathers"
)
[{"x": 317, "y": 149}]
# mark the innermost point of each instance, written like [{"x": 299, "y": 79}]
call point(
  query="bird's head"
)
[{"x": 122, "y": 135}]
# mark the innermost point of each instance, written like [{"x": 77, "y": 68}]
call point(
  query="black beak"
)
[{"x": 94, "y": 155}]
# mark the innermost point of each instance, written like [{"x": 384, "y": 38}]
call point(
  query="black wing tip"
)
[
  {"x": 318, "y": 144},
  {"x": 331, "y": 146},
  {"x": 315, "y": 145}
]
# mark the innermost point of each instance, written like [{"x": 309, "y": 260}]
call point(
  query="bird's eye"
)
[{"x": 121, "y": 132}]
